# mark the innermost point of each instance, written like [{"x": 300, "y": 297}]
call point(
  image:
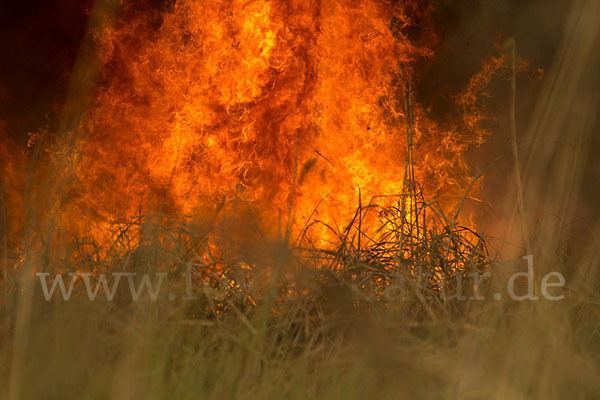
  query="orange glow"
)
[
  {"x": 298, "y": 102},
  {"x": 12, "y": 178}
]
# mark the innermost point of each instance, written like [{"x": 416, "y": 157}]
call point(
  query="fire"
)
[
  {"x": 293, "y": 106},
  {"x": 12, "y": 170}
]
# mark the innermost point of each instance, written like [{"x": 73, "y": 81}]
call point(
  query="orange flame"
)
[{"x": 299, "y": 102}]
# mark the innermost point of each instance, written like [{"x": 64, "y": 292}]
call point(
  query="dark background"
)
[{"x": 39, "y": 41}]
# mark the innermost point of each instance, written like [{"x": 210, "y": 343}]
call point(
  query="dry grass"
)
[
  {"x": 289, "y": 328},
  {"x": 277, "y": 321}
]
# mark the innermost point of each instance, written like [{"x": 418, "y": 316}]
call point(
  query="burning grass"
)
[
  {"x": 373, "y": 309},
  {"x": 263, "y": 320}
]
